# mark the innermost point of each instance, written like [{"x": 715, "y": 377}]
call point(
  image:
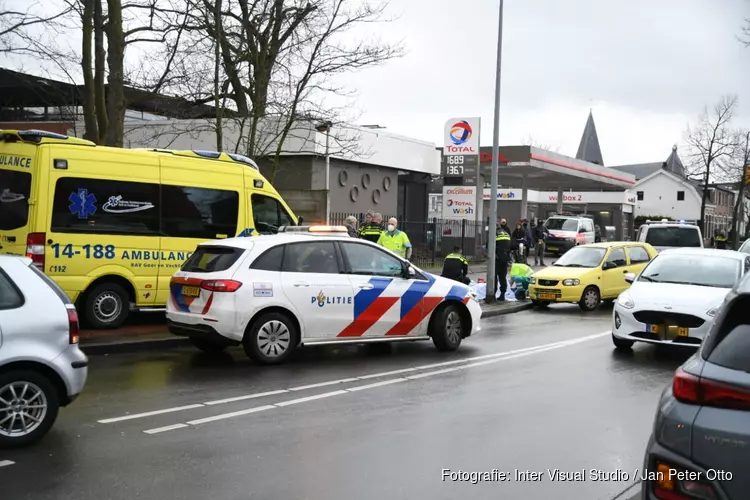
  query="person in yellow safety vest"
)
[
  {"x": 720, "y": 241},
  {"x": 456, "y": 267},
  {"x": 394, "y": 240}
]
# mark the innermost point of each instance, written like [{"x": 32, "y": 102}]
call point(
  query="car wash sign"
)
[
  {"x": 461, "y": 149},
  {"x": 459, "y": 202}
]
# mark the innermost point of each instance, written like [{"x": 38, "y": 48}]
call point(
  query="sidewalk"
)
[{"x": 146, "y": 337}]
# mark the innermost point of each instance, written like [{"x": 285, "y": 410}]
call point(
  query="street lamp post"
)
[
  {"x": 326, "y": 127},
  {"x": 491, "y": 271}
]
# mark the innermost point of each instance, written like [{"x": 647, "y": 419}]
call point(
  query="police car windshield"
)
[
  {"x": 673, "y": 236},
  {"x": 581, "y": 257},
  {"x": 562, "y": 224}
]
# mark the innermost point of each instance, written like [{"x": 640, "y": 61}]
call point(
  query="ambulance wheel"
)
[
  {"x": 447, "y": 328},
  {"x": 106, "y": 306},
  {"x": 206, "y": 346},
  {"x": 590, "y": 299},
  {"x": 270, "y": 339}
]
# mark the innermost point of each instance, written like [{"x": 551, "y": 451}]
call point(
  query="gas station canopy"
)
[{"x": 538, "y": 169}]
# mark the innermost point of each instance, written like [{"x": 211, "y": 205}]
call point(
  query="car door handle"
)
[
  {"x": 366, "y": 286},
  {"x": 301, "y": 283}
]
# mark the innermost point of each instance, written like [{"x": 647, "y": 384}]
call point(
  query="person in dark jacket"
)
[
  {"x": 373, "y": 230},
  {"x": 529, "y": 239},
  {"x": 456, "y": 267},
  {"x": 539, "y": 244},
  {"x": 502, "y": 258},
  {"x": 720, "y": 241},
  {"x": 504, "y": 226},
  {"x": 351, "y": 226}
]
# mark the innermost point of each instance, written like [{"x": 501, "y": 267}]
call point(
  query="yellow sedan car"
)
[{"x": 587, "y": 274}]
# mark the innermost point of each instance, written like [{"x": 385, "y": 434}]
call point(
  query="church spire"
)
[{"x": 589, "y": 149}]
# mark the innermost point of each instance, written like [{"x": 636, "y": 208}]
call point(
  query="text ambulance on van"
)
[{"x": 112, "y": 225}]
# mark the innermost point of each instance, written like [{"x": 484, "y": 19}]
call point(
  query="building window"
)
[
  {"x": 680, "y": 195},
  {"x": 639, "y": 194}
]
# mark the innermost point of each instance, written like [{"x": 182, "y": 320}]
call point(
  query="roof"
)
[
  {"x": 610, "y": 244},
  {"x": 21, "y": 90},
  {"x": 705, "y": 252},
  {"x": 639, "y": 170},
  {"x": 588, "y": 149}
]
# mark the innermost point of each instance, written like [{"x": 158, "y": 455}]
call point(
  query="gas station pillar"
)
[
  {"x": 524, "y": 198},
  {"x": 559, "y": 200}
]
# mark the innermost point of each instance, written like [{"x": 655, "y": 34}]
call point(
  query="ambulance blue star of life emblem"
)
[{"x": 82, "y": 203}]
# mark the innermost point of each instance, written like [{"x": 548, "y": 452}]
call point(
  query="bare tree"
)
[
  {"x": 745, "y": 32},
  {"x": 711, "y": 144},
  {"x": 18, "y": 23}
]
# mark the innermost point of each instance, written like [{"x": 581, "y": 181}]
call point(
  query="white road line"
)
[
  {"x": 323, "y": 384},
  {"x": 309, "y": 398},
  {"x": 149, "y": 414},
  {"x": 5, "y": 463},
  {"x": 376, "y": 384},
  {"x": 229, "y": 415},
  {"x": 494, "y": 358},
  {"x": 165, "y": 429},
  {"x": 247, "y": 396},
  {"x": 385, "y": 374}
]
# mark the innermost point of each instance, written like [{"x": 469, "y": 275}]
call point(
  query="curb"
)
[
  {"x": 129, "y": 346},
  {"x": 523, "y": 306}
]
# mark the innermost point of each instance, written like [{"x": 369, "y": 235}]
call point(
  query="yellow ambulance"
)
[{"x": 111, "y": 226}]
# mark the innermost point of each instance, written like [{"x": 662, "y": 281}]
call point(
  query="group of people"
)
[
  {"x": 509, "y": 242},
  {"x": 389, "y": 237}
]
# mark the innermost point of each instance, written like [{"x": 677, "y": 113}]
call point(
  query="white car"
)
[
  {"x": 309, "y": 286},
  {"x": 676, "y": 297}
]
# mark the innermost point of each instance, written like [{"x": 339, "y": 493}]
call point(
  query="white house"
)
[{"x": 666, "y": 194}]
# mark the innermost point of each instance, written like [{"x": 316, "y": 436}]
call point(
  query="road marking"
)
[
  {"x": 230, "y": 415},
  {"x": 376, "y": 384},
  {"x": 5, "y": 463},
  {"x": 149, "y": 414},
  {"x": 310, "y": 398},
  {"x": 165, "y": 429},
  {"x": 323, "y": 384},
  {"x": 247, "y": 396},
  {"x": 494, "y": 358}
]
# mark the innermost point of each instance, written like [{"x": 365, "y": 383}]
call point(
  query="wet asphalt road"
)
[{"x": 362, "y": 432}]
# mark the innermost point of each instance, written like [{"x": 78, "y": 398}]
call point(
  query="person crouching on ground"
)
[{"x": 456, "y": 267}]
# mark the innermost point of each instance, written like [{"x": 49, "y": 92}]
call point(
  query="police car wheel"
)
[
  {"x": 447, "y": 328},
  {"x": 106, "y": 306},
  {"x": 270, "y": 339},
  {"x": 590, "y": 299}
]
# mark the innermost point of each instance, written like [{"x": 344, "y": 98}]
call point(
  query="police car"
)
[{"x": 312, "y": 285}]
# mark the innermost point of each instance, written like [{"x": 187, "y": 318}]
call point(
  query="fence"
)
[{"x": 433, "y": 239}]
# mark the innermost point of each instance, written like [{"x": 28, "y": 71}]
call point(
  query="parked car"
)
[
  {"x": 702, "y": 423},
  {"x": 676, "y": 297},
  {"x": 664, "y": 234},
  {"x": 565, "y": 231},
  {"x": 588, "y": 274},
  {"x": 41, "y": 365}
]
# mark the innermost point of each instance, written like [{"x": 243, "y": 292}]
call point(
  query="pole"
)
[
  {"x": 328, "y": 176},
  {"x": 490, "y": 297}
]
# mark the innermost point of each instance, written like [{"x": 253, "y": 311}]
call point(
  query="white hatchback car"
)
[
  {"x": 676, "y": 297},
  {"x": 41, "y": 365},
  {"x": 312, "y": 285}
]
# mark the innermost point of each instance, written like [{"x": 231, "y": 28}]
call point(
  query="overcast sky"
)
[{"x": 645, "y": 67}]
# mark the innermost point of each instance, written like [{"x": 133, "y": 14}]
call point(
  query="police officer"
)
[
  {"x": 502, "y": 257},
  {"x": 394, "y": 240},
  {"x": 721, "y": 241},
  {"x": 456, "y": 267},
  {"x": 371, "y": 231}
]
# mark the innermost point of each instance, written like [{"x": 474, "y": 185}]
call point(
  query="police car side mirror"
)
[
  {"x": 609, "y": 265},
  {"x": 410, "y": 272}
]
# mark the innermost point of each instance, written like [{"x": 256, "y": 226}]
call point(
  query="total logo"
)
[{"x": 460, "y": 132}]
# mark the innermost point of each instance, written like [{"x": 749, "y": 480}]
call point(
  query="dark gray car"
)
[{"x": 700, "y": 445}]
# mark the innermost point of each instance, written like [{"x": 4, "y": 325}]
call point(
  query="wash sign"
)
[{"x": 459, "y": 202}]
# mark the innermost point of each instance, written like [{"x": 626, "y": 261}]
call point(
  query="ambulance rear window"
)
[
  {"x": 211, "y": 259},
  {"x": 15, "y": 188}
]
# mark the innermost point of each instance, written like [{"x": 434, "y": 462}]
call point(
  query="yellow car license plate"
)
[
  {"x": 191, "y": 291},
  {"x": 679, "y": 330},
  {"x": 683, "y": 332},
  {"x": 546, "y": 296},
  {"x": 654, "y": 329}
]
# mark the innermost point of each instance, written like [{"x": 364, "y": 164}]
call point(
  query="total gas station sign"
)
[{"x": 461, "y": 136}]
